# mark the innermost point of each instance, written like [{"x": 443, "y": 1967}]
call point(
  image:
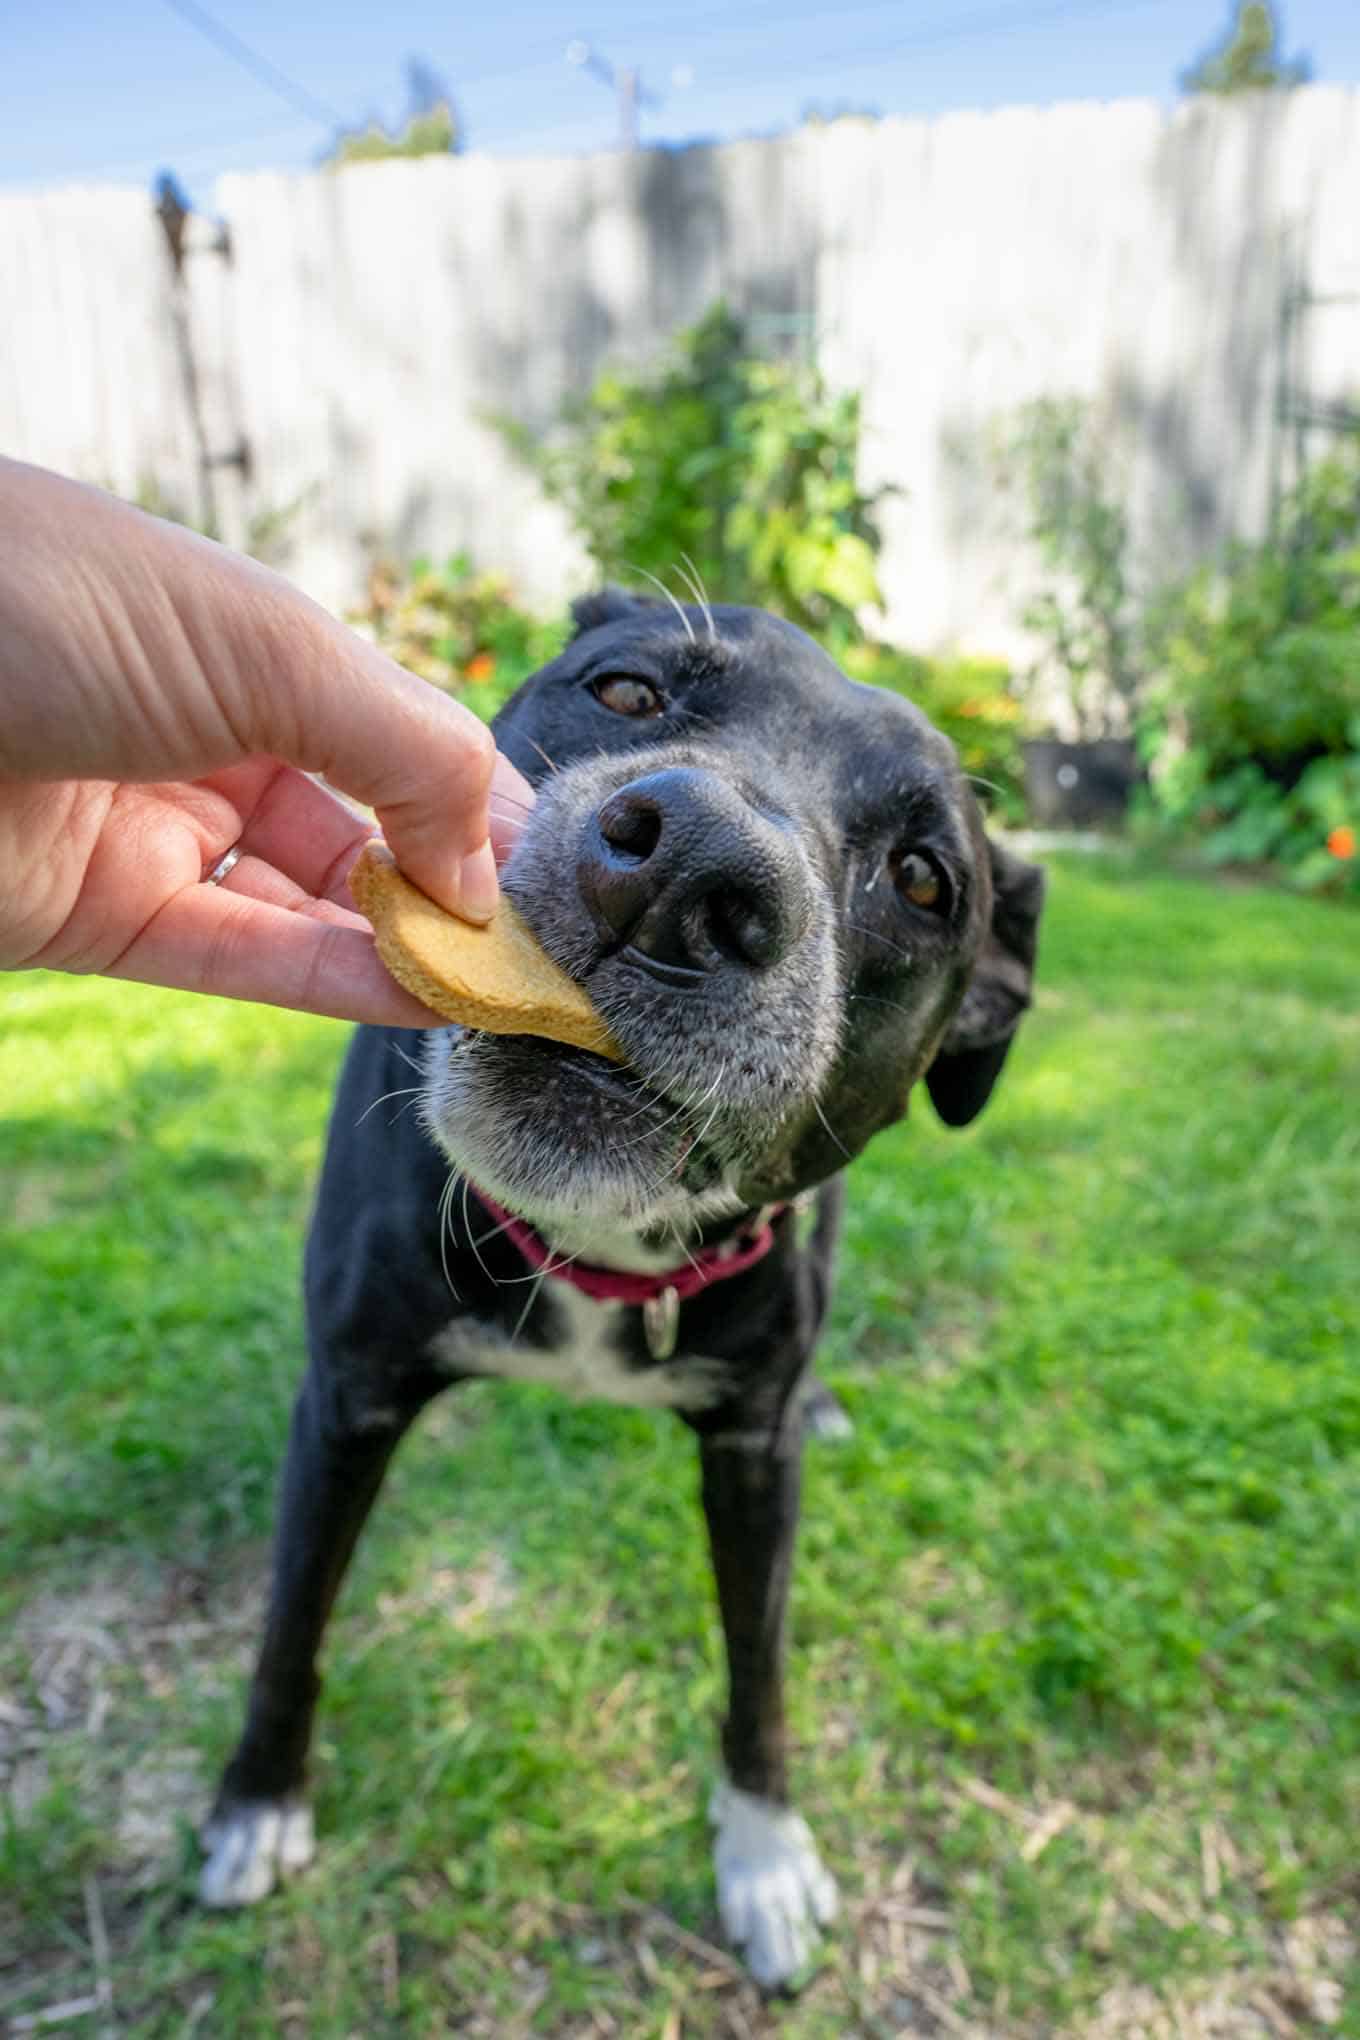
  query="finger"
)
[
  {"x": 207, "y": 939},
  {"x": 253, "y": 879},
  {"x": 302, "y": 829},
  {"x": 422, "y": 761},
  {"x": 291, "y": 823}
]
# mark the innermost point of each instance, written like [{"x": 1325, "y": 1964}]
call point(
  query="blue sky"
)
[{"x": 93, "y": 92}]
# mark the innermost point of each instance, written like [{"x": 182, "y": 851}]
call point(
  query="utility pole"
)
[
  {"x": 629, "y": 86},
  {"x": 625, "y": 82}
]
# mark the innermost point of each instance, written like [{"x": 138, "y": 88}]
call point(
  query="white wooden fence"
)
[{"x": 1195, "y": 274}]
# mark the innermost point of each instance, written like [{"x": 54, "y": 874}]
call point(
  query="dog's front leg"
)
[
  {"x": 260, "y": 1828},
  {"x": 773, "y": 1892}
]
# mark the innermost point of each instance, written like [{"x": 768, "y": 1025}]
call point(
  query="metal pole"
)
[{"x": 629, "y": 84}]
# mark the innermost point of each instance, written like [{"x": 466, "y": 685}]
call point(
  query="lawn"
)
[{"x": 1076, "y": 1644}]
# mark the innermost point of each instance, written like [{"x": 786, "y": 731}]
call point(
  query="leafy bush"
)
[
  {"x": 745, "y": 467},
  {"x": 1252, "y": 722},
  {"x": 970, "y": 700},
  {"x": 1310, "y": 828},
  {"x": 459, "y": 629},
  {"x": 718, "y": 465}
]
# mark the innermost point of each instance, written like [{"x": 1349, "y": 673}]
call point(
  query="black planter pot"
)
[{"x": 1079, "y": 785}]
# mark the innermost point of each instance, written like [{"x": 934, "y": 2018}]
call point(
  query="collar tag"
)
[{"x": 661, "y": 1322}]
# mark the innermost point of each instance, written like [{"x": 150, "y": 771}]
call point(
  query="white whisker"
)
[
  {"x": 689, "y": 627},
  {"x": 704, "y": 1131},
  {"x": 529, "y": 1302},
  {"x": 868, "y": 998},
  {"x": 495, "y": 1231},
  {"x": 816, "y": 1106},
  {"x": 683, "y": 1107},
  {"x": 694, "y": 580},
  {"x": 661, "y": 1126},
  {"x": 680, "y": 1242},
  {"x": 475, "y": 1245},
  {"x": 550, "y": 1267},
  {"x": 445, "y": 1204},
  {"x": 408, "y": 1091},
  {"x": 874, "y": 936}
]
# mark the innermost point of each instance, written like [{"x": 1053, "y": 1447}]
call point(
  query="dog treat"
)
[{"x": 497, "y": 977}]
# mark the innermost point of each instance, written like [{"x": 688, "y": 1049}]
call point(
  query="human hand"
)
[{"x": 165, "y": 701}]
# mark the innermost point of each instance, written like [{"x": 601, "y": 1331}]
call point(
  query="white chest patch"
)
[{"x": 585, "y": 1362}]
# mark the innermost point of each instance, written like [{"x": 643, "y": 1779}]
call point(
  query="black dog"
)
[{"x": 776, "y": 885}]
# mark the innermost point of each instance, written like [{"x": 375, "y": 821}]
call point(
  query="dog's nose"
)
[{"x": 678, "y": 866}]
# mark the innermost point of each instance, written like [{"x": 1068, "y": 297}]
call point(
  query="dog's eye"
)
[
  {"x": 627, "y": 696},
  {"x": 919, "y": 879}
]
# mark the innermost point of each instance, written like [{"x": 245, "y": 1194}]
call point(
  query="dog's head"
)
[{"x": 776, "y": 887}]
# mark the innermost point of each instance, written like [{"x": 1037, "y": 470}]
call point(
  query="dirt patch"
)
[
  {"x": 164, "y": 1792},
  {"x": 1298, "y": 1994},
  {"x": 86, "y": 1679},
  {"x": 73, "y": 1650},
  {"x": 891, "y": 1966}
]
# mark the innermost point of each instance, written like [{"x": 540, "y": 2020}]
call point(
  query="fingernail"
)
[{"x": 478, "y": 891}]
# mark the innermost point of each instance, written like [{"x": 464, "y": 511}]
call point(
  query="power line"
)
[
  {"x": 980, "y": 23},
  {"x": 963, "y": 28},
  {"x": 261, "y": 70},
  {"x": 956, "y": 28}
]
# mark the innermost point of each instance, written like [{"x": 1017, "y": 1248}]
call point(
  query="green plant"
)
[
  {"x": 424, "y": 134},
  {"x": 971, "y": 701},
  {"x": 1084, "y": 615},
  {"x": 745, "y": 467},
  {"x": 1252, "y": 719},
  {"x": 1247, "y": 57},
  {"x": 457, "y": 628},
  {"x": 429, "y": 127}
]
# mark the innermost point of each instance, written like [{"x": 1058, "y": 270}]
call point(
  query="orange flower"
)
[
  {"x": 480, "y": 666},
  {"x": 1341, "y": 842}
]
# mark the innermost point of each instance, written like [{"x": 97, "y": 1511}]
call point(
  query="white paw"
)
[
  {"x": 773, "y": 1892},
  {"x": 250, "y": 1846},
  {"x": 825, "y": 1417}
]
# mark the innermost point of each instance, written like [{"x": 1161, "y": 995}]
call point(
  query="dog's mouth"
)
[
  {"x": 697, "y": 1165},
  {"x": 560, "y": 1135}
]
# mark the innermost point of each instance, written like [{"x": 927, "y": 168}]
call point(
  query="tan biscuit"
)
[{"x": 497, "y": 977}]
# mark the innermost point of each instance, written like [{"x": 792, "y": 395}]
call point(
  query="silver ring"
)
[{"x": 224, "y": 866}]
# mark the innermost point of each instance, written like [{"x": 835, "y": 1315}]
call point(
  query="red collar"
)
[{"x": 619, "y": 1285}]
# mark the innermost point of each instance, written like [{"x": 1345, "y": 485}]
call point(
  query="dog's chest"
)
[{"x": 581, "y": 1347}]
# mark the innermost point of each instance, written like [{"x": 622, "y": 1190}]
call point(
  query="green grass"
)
[{"x": 1076, "y": 1659}]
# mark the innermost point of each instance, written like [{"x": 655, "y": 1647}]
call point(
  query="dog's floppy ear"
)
[
  {"x": 968, "y": 1061},
  {"x": 607, "y": 605}
]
